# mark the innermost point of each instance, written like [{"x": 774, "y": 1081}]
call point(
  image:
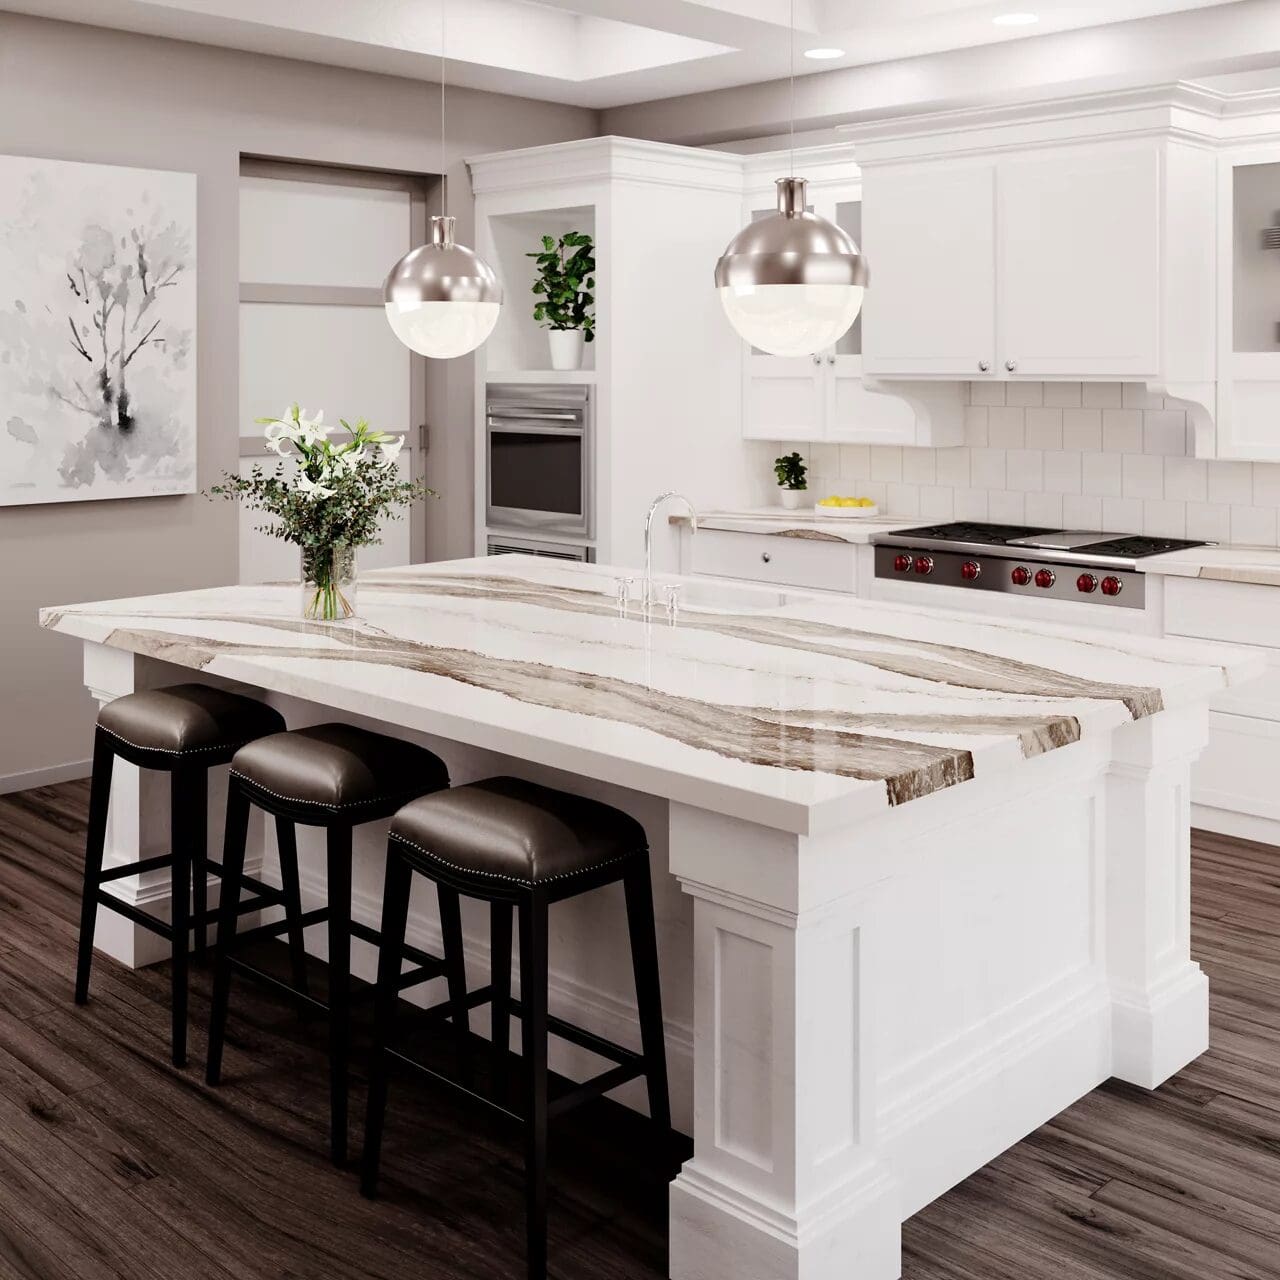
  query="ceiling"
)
[{"x": 596, "y": 53}]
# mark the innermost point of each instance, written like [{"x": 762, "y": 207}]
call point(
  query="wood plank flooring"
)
[{"x": 114, "y": 1164}]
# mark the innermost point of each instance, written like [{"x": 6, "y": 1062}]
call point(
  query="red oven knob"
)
[
  {"x": 1112, "y": 586},
  {"x": 1045, "y": 578},
  {"x": 1020, "y": 576},
  {"x": 902, "y": 564},
  {"x": 1087, "y": 584},
  {"x": 924, "y": 565},
  {"x": 971, "y": 571}
]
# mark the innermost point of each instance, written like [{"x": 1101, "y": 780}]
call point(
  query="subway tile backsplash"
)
[{"x": 1087, "y": 455}]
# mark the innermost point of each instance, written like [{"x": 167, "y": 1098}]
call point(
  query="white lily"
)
[
  {"x": 277, "y": 444},
  {"x": 391, "y": 448},
  {"x": 312, "y": 488}
]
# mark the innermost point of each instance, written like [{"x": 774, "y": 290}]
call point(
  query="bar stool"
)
[
  {"x": 183, "y": 730},
  {"x": 520, "y": 846},
  {"x": 335, "y": 776}
]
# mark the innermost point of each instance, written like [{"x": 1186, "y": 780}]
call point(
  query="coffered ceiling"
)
[{"x": 600, "y": 53}]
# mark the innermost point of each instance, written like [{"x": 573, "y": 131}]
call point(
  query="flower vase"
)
[{"x": 329, "y": 583}]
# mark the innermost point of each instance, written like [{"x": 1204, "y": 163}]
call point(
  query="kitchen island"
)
[{"x": 935, "y": 872}]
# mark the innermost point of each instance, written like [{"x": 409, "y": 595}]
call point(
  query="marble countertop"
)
[
  {"x": 1260, "y": 565},
  {"x": 804, "y": 523},
  {"x": 793, "y": 710}
]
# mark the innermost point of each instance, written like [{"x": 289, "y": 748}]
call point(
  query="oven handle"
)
[
  {"x": 534, "y": 426},
  {"x": 525, "y": 415}
]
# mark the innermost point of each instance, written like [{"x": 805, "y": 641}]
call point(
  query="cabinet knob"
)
[
  {"x": 766, "y": 557},
  {"x": 817, "y": 359},
  {"x": 831, "y": 359},
  {"x": 984, "y": 366},
  {"x": 1011, "y": 365}
]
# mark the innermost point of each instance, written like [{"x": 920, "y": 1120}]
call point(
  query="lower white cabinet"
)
[{"x": 777, "y": 561}]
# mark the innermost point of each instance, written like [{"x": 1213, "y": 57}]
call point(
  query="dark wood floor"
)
[{"x": 113, "y": 1164}]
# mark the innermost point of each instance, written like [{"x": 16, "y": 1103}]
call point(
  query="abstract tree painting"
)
[{"x": 97, "y": 331}]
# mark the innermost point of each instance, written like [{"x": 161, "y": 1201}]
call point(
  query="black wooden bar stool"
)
[
  {"x": 334, "y": 776},
  {"x": 520, "y": 846},
  {"x": 183, "y": 730}
]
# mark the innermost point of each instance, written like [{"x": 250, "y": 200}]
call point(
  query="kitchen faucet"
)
[{"x": 648, "y": 541}]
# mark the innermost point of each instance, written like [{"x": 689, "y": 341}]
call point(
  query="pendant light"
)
[
  {"x": 792, "y": 284},
  {"x": 442, "y": 299}
]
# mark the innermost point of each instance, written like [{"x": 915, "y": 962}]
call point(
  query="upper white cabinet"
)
[
  {"x": 823, "y": 396},
  {"x": 1070, "y": 240}
]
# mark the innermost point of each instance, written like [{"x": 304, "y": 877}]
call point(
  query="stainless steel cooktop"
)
[{"x": 1087, "y": 566}]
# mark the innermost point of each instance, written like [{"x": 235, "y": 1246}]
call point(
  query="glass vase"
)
[{"x": 329, "y": 583}]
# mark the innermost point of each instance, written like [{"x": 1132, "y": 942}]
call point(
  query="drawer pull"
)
[{"x": 766, "y": 557}]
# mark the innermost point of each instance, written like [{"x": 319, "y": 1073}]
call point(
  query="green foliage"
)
[
  {"x": 791, "y": 471},
  {"x": 566, "y": 278},
  {"x": 341, "y": 491}
]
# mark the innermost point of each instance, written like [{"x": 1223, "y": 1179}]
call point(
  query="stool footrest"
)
[
  {"x": 596, "y": 1087},
  {"x": 585, "y": 1039},
  {"x": 158, "y": 863}
]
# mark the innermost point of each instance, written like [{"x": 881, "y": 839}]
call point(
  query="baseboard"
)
[
  {"x": 29, "y": 779},
  {"x": 1231, "y": 822}
]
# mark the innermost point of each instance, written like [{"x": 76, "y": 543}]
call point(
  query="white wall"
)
[
  {"x": 1091, "y": 456},
  {"x": 80, "y": 93}
]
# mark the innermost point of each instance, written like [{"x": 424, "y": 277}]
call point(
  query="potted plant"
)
[
  {"x": 790, "y": 471},
  {"x": 566, "y": 278},
  {"x": 330, "y": 506}
]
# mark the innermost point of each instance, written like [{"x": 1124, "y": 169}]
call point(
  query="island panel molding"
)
[
  {"x": 98, "y": 323},
  {"x": 934, "y": 872}
]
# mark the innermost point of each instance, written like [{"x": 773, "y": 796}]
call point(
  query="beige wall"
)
[{"x": 79, "y": 93}]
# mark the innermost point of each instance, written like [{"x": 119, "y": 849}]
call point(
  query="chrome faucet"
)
[{"x": 648, "y": 541}]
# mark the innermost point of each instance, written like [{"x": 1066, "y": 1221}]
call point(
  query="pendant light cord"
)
[
  {"x": 444, "y": 164},
  {"x": 793, "y": 88}
]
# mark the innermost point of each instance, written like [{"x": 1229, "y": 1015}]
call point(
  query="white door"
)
[
  {"x": 930, "y": 235},
  {"x": 1080, "y": 262},
  {"x": 315, "y": 246}
]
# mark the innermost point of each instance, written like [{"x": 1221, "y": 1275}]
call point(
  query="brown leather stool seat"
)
[
  {"x": 510, "y": 829},
  {"x": 183, "y": 730},
  {"x": 338, "y": 771},
  {"x": 188, "y": 720},
  {"x": 338, "y": 777},
  {"x": 520, "y": 847}
]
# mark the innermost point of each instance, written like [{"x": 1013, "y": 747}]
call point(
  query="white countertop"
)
[
  {"x": 804, "y": 523},
  {"x": 793, "y": 710},
  {"x": 1259, "y": 565}
]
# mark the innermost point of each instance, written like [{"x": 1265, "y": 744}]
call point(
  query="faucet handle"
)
[
  {"x": 624, "y": 584},
  {"x": 671, "y": 598}
]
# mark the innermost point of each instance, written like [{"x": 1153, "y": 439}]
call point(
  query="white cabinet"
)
[
  {"x": 1070, "y": 241},
  {"x": 930, "y": 310},
  {"x": 778, "y": 561}
]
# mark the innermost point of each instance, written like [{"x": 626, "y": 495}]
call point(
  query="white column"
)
[
  {"x": 785, "y": 1183},
  {"x": 138, "y": 821},
  {"x": 1160, "y": 996}
]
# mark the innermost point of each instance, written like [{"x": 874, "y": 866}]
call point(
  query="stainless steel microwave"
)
[{"x": 539, "y": 454}]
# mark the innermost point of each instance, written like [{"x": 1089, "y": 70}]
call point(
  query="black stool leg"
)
[
  {"x": 237, "y": 833},
  {"x": 395, "y": 913},
  {"x": 455, "y": 970},
  {"x": 644, "y": 960},
  {"x": 287, "y": 845},
  {"x": 182, "y": 835},
  {"x": 533, "y": 997},
  {"x": 198, "y": 800},
  {"x": 339, "y": 848},
  {"x": 95, "y": 847},
  {"x": 500, "y": 914}
]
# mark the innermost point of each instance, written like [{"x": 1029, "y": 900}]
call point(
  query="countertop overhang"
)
[{"x": 794, "y": 710}]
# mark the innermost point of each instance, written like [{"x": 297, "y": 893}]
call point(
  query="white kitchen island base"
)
[{"x": 885, "y": 979}]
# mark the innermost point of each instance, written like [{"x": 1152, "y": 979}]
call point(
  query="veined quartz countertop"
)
[
  {"x": 1259, "y": 565},
  {"x": 785, "y": 708},
  {"x": 804, "y": 523}
]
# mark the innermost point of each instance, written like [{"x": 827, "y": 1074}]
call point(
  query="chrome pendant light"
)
[
  {"x": 442, "y": 299},
  {"x": 792, "y": 283}
]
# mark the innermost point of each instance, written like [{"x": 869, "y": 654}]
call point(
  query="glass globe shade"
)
[
  {"x": 792, "y": 284},
  {"x": 442, "y": 299},
  {"x": 792, "y": 319}
]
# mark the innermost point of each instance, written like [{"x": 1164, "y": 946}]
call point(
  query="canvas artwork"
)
[{"x": 97, "y": 331}]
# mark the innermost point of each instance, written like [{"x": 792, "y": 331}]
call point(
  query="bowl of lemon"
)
[{"x": 846, "y": 508}]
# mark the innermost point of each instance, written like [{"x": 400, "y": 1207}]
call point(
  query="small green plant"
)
[
  {"x": 566, "y": 278},
  {"x": 791, "y": 471}
]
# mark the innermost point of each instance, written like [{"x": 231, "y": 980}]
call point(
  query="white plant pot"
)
[
  {"x": 792, "y": 499},
  {"x": 566, "y": 348}
]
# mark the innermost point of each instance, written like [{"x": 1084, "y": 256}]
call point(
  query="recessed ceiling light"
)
[
  {"x": 1015, "y": 19},
  {"x": 821, "y": 55}
]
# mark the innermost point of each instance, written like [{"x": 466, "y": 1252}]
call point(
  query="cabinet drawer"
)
[{"x": 782, "y": 561}]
